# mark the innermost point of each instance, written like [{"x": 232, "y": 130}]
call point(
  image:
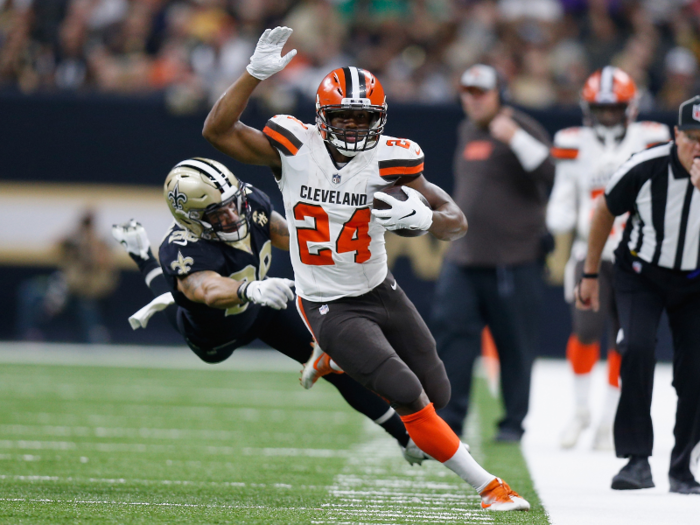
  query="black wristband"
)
[
  {"x": 589, "y": 276},
  {"x": 242, "y": 297}
]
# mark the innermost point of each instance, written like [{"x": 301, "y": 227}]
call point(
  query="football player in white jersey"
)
[
  {"x": 586, "y": 158},
  {"x": 329, "y": 174}
]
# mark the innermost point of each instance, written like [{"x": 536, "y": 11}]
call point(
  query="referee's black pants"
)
[{"x": 642, "y": 292}]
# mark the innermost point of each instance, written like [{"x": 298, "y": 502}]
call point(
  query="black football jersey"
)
[{"x": 182, "y": 253}]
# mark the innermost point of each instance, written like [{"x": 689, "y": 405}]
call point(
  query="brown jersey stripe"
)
[
  {"x": 564, "y": 153},
  {"x": 282, "y": 138},
  {"x": 393, "y": 163},
  {"x": 401, "y": 170},
  {"x": 279, "y": 142}
]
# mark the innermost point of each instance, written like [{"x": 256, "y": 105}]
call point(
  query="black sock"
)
[
  {"x": 147, "y": 264},
  {"x": 396, "y": 428},
  {"x": 370, "y": 404},
  {"x": 155, "y": 280}
]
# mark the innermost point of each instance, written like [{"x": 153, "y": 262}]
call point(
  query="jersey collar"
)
[{"x": 679, "y": 172}]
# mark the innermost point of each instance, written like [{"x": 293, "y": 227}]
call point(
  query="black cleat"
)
[
  {"x": 507, "y": 435},
  {"x": 635, "y": 475},
  {"x": 684, "y": 487}
]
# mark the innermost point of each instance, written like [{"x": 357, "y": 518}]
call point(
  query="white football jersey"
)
[
  {"x": 336, "y": 246},
  {"x": 585, "y": 163}
]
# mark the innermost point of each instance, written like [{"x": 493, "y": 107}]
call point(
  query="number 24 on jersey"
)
[{"x": 354, "y": 236}]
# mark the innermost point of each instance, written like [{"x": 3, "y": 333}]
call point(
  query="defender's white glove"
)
[
  {"x": 411, "y": 214},
  {"x": 267, "y": 58},
  {"x": 273, "y": 292}
]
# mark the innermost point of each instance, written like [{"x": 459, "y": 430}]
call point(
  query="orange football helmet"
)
[
  {"x": 351, "y": 89},
  {"x": 609, "y": 87}
]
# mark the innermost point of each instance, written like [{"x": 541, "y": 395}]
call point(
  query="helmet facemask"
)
[
  {"x": 608, "y": 119},
  {"x": 353, "y": 140},
  {"x": 227, "y": 221}
]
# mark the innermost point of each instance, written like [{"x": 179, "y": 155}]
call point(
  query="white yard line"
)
[
  {"x": 168, "y": 357},
  {"x": 137, "y": 481},
  {"x": 574, "y": 485},
  {"x": 141, "y": 504},
  {"x": 376, "y": 482}
]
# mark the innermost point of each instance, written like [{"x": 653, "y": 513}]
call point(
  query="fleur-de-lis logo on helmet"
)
[{"x": 176, "y": 198}]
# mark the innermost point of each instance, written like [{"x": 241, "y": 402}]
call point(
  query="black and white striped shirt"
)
[{"x": 664, "y": 206}]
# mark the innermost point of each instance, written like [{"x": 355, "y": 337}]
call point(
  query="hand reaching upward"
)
[{"x": 267, "y": 58}]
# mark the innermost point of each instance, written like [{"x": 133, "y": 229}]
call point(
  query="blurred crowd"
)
[{"x": 193, "y": 49}]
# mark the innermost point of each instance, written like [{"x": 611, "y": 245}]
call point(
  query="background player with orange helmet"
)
[
  {"x": 586, "y": 158},
  {"x": 329, "y": 175}
]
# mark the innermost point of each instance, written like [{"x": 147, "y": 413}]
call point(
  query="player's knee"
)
[
  {"x": 393, "y": 380},
  {"x": 437, "y": 386},
  {"x": 413, "y": 407}
]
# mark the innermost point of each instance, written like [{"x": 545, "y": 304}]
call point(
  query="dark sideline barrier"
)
[{"x": 119, "y": 140}]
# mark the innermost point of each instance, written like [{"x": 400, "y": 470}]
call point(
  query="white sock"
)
[
  {"x": 582, "y": 388},
  {"x": 466, "y": 467}
]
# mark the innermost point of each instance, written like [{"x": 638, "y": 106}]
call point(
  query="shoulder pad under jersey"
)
[
  {"x": 567, "y": 143},
  {"x": 399, "y": 157},
  {"x": 652, "y": 133},
  {"x": 287, "y": 133},
  {"x": 257, "y": 197}
]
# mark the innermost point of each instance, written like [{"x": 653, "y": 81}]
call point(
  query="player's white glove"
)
[
  {"x": 411, "y": 214},
  {"x": 273, "y": 292},
  {"x": 267, "y": 58}
]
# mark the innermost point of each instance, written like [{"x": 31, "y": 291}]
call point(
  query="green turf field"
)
[{"x": 91, "y": 445}]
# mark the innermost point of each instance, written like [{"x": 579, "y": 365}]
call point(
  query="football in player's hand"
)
[{"x": 399, "y": 195}]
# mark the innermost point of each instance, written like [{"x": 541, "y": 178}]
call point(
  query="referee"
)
[{"x": 657, "y": 268}]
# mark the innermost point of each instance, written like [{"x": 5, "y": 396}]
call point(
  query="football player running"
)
[
  {"x": 212, "y": 278},
  {"x": 329, "y": 173},
  {"x": 586, "y": 158}
]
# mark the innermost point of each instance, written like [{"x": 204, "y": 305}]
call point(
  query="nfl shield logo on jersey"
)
[
  {"x": 336, "y": 177},
  {"x": 696, "y": 111}
]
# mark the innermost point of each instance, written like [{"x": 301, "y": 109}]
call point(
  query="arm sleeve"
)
[
  {"x": 534, "y": 144},
  {"x": 621, "y": 191},
  {"x": 530, "y": 152}
]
